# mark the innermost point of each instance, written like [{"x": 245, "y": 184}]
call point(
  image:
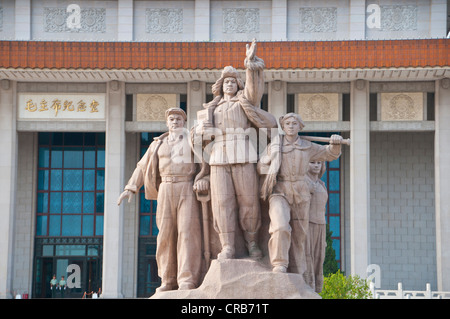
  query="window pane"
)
[
  {"x": 57, "y": 138},
  {"x": 144, "y": 203},
  {"x": 73, "y": 138},
  {"x": 44, "y": 157},
  {"x": 334, "y": 203},
  {"x": 47, "y": 250},
  {"x": 88, "y": 225},
  {"x": 73, "y": 158},
  {"x": 70, "y": 250},
  {"x": 155, "y": 230},
  {"x": 72, "y": 203},
  {"x": 89, "y": 180},
  {"x": 55, "y": 179},
  {"x": 334, "y": 226},
  {"x": 100, "y": 180},
  {"x": 99, "y": 225},
  {"x": 101, "y": 138},
  {"x": 55, "y": 203},
  {"x": 93, "y": 250},
  {"x": 101, "y": 157},
  {"x": 144, "y": 225},
  {"x": 334, "y": 164},
  {"x": 334, "y": 180},
  {"x": 99, "y": 203},
  {"x": 337, "y": 248},
  {"x": 56, "y": 157},
  {"x": 89, "y": 157},
  {"x": 41, "y": 225},
  {"x": 73, "y": 180},
  {"x": 88, "y": 202},
  {"x": 55, "y": 225},
  {"x": 71, "y": 225},
  {"x": 89, "y": 139},
  {"x": 43, "y": 180},
  {"x": 44, "y": 138},
  {"x": 42, "y": 203}
]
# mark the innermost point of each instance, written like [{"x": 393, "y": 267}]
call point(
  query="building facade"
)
[{"x": 83, "y": 90}]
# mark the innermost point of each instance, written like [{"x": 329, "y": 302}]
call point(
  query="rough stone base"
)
[{"x": 244, "y": 279}]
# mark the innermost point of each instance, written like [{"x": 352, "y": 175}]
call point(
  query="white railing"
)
[{"x": 408, "y": 294}]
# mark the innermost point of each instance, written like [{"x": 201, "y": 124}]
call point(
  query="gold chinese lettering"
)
[
  {"x": 56, "y": 106},
  {"x": 68, "y": 106},
  {"x": 31, "y": 107},
  {"x": 43, "y": 106},
  {"x": 93, "y": 106},
  {"x": 81, "y": 106}
]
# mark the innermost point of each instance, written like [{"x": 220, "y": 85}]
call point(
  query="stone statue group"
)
[{"x": 215, "y": 166}]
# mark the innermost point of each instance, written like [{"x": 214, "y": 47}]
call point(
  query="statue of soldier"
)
[
  {"x": 285, "y": 165},
  {"x": 234, "y": 181}
]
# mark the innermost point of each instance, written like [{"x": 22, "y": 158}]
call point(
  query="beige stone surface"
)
[
  {"x": 151, "y": 107},
  {"x": 318, "y": 107},
  {"x": 244, "y": 279},
  {"x": 406, "y": 106}
]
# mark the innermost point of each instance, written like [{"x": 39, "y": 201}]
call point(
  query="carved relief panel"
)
[
  {"x": 399, "y": 18},
  {"x": 318, "y": 106},
  {"x": 92, "y": 20},
  {"x": 402, "y": 106},
  {"x": 318, "y": 19},
  {"x": 240, "y": 20},
  {"x": 164, "y": 20},
  {"x": 152, "y": 107}
]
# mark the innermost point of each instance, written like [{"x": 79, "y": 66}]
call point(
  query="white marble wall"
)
[{"x": 231, "y": 20}]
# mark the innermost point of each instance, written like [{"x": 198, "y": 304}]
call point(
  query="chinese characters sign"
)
[{"x": 57, "y": 106}]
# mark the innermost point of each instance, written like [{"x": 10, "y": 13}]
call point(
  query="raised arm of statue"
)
[{"x": 254, "y": 85}]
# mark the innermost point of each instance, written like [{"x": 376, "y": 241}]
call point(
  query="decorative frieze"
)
[
  {"x": 152, "y": 107},
  {"x": 92, "y": 20},
  {"x": 318, "y": 107},
  {"x": 241, "y": 20},
  {"x": 399, "y": 17},
  {"x": 164, "y": 20},
  {"x": 318, "y": 20},
  {"x": 402, "y": 106}
]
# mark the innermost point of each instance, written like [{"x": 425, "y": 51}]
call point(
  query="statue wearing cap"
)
[
  {"x": 167, "y": 171},
  {"x": 284, "y": 166},
  {"x": 235, "y": 110}
]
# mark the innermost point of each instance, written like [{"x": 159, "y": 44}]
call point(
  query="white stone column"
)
[
  {"x": 357, "y": 20},
  {"x": 196, "y": 96},
  {"x": 277, "y": 98},
  {"x": 125, "y": 20},
  {"x": 279, "y": 20},
  {"x": 8, "y": 174},
  {"x": 359, "y": 178},
  {"x": 22, "y": 19},
  {"x": 442, "y": 182},
  {"x": 114, "y": 184},
  {"x": 438, "y": 18},
  {"x": 202, "y": 23}
]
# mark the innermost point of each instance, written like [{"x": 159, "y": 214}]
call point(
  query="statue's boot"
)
[
  {"x": 228, "y": 250},
  {"x": 251, "y": 240},
  {"x": 166, "y": 287}
]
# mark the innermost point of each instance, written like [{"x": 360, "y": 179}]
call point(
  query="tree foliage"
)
[
  {"x": 339, "y": 286},
  {"x": 330, "y": 265}
]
